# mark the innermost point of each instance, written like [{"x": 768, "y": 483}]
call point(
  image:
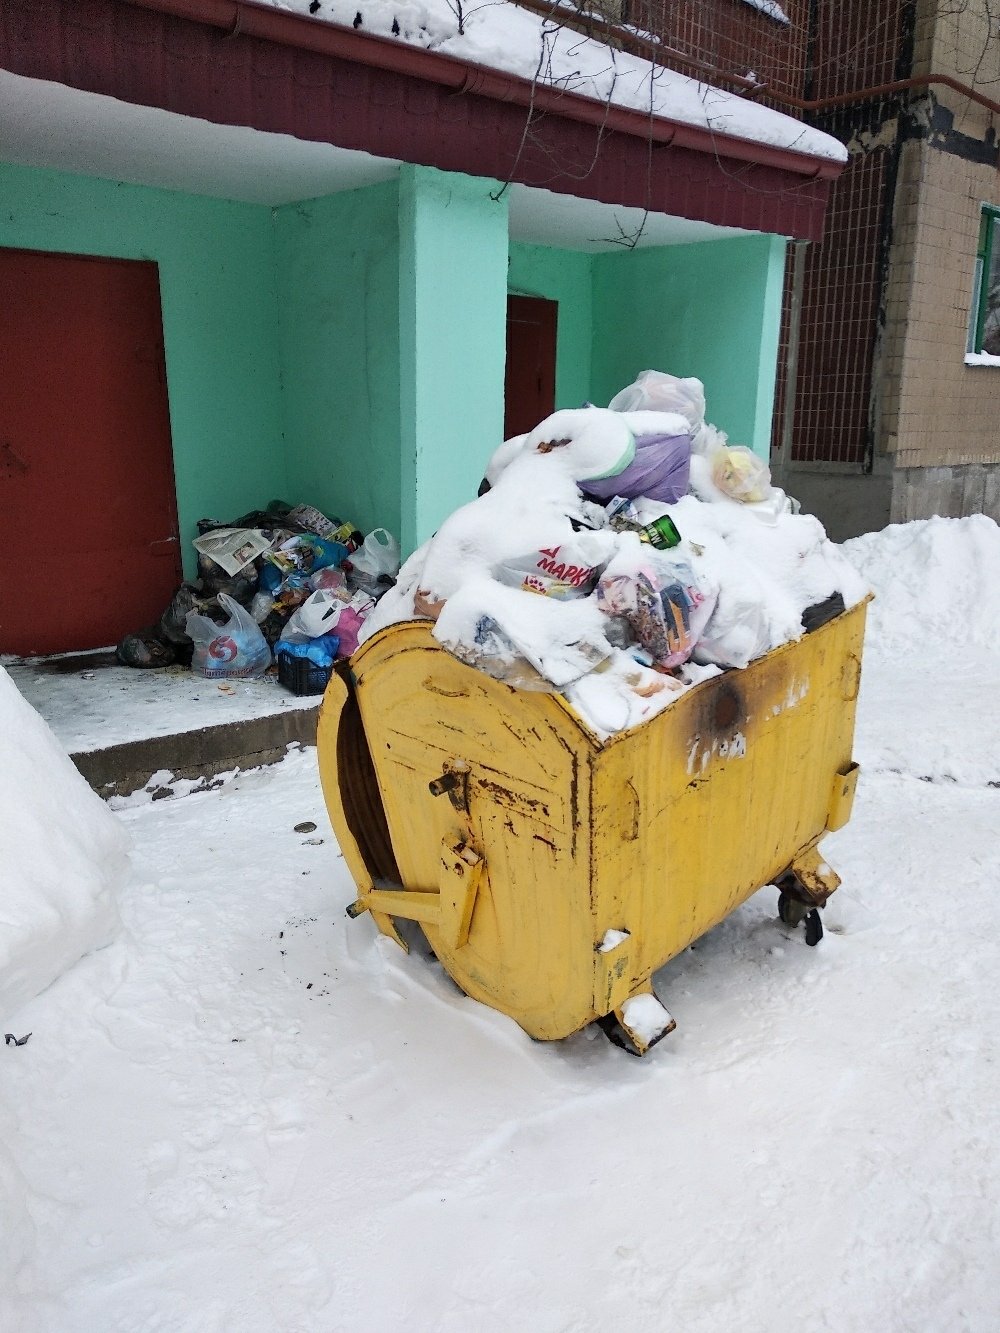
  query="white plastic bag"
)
[
  {"x": 378, "y": 556},
  {"x": 564, "y": 571},
  {"x": 656, "y": 391},
  {"x": 321, "y": 613},
  {"x": 314, "y": 617},
  {"x": 235, "y": 650}
]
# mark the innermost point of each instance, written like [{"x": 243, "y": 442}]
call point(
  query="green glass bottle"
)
[{"x": 661, "y": 533}]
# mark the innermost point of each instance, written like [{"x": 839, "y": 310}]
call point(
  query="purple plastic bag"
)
[{"x": 659, "y": 471}]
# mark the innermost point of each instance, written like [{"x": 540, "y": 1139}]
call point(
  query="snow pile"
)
[
  {"x": 502, "y": 36},
  {"x": 936, "y": 582},
  {"x": 65, "y": 857},
  {"x": 936, "y": 620},
  {"x": 16, "y": 1226},
  {"x": 541, "y": 587}
]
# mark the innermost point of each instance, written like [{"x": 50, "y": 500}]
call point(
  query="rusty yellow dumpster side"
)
[
  {"x": 521, "y": 805},
  {"x": 723, "y": 793},
  {"x": 518, "y": 839}
]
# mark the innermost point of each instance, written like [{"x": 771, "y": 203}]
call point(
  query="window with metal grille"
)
[{"x": 984, "y": 317}]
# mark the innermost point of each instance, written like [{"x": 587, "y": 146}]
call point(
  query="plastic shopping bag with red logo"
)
[{"x": 236, "y": 650}]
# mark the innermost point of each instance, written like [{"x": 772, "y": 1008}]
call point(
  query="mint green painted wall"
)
[
  {"x": 452, "y": 341},
  {"x": 565, "y": 276},
  {"x": 218, "y": 298},
  {"x": 338, "y": 332},
  {"x": 712, "y": 310}
]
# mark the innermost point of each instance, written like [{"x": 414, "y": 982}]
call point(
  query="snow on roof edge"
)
[{"x": 503, "y": 37}]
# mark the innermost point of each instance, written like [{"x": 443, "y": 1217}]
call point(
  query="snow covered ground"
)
[{"x": 249, "y": 1114}]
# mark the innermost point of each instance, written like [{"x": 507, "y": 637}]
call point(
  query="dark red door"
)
[
  {"x": 530, "y": 381},
  {"x": 89, "y": 515}
]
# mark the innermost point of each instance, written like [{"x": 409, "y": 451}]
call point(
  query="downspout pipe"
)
[{"x": 244, "y": 17}]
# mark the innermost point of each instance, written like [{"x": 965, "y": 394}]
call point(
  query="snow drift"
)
[
  {"x": 936, "y": 582},
  {"x": 65, "y": 857}
]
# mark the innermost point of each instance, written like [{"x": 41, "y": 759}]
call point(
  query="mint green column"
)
[
  {"x": 712, "y": 310},
  {"x": 452, "y": 341}
]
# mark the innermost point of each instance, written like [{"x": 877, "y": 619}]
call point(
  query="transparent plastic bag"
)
[
  {"x": 515, "y": 636},
  {"x": 494, "y": 652},
  {"x": 233, "y": 651},
  {"x": 656, "y": 391},
  {"x": 740, "y": 474},
  {"x": 665, "y": 605}
]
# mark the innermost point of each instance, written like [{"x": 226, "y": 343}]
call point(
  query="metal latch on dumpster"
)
[{"x": 449, "y": 907}]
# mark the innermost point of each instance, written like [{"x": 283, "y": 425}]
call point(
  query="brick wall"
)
[{"x": 945, "y": 413}]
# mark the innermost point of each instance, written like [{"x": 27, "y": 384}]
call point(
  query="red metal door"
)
[
  {"x": 89, "y": 531},
  {"x": 530, "y": 381}
]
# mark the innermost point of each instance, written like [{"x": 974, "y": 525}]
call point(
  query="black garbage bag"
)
[
  {"x": 213, "y": 579},
  {"x": 274, "y": 623},
  {"x": 276, "y": 515},
  {"x": 145, "y": 649},
  {"x": 172, "y": 624}
]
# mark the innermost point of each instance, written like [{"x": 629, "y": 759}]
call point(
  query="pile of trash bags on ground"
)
[
  {"x": 621, "y": 555},
  {"x": 284, "y": 582}
]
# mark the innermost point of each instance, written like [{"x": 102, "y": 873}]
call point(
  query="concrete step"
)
[{"x": 201, "y": 755}]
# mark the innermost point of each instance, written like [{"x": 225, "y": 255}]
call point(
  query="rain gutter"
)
[{"x": 246, "y": 18}]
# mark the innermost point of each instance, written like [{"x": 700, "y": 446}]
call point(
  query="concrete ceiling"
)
[{"x": 49, "y": 125}]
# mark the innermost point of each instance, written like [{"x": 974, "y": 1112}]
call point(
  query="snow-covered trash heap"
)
[
  {"x": 64, "y": 857},
  {"x": 620, "y": 556}
]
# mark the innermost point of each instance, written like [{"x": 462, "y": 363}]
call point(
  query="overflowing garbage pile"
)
[
  {"x": 621, "y": 555},
  {"x": 285, "y": 584}
]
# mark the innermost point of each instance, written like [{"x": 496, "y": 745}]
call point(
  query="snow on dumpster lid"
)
[{"x": 503, "y": 36}]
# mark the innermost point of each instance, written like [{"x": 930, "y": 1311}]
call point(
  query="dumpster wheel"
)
[{"x": 793, "y": 911}]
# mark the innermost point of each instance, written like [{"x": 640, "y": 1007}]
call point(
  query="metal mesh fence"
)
[{"x": 824, "y": 49}]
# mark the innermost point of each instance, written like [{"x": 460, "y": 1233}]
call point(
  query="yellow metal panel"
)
[
  {"x": 530, "y": 942},
  {"x": 732, "y": 781}
]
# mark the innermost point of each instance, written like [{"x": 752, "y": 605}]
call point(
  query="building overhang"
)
[{"x": 245, "y": 64}]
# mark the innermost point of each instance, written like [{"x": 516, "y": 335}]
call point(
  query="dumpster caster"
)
[
  {"x": 638, "y": 1024},
  {"x": 793, "y": 911},
  {"x": 814, "y": 927}
]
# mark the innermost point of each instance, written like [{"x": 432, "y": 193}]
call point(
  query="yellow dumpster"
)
[{"x": 553, "y": 872}]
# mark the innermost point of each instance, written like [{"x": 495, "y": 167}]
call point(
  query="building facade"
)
[{"x": 888, "y": 381}]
